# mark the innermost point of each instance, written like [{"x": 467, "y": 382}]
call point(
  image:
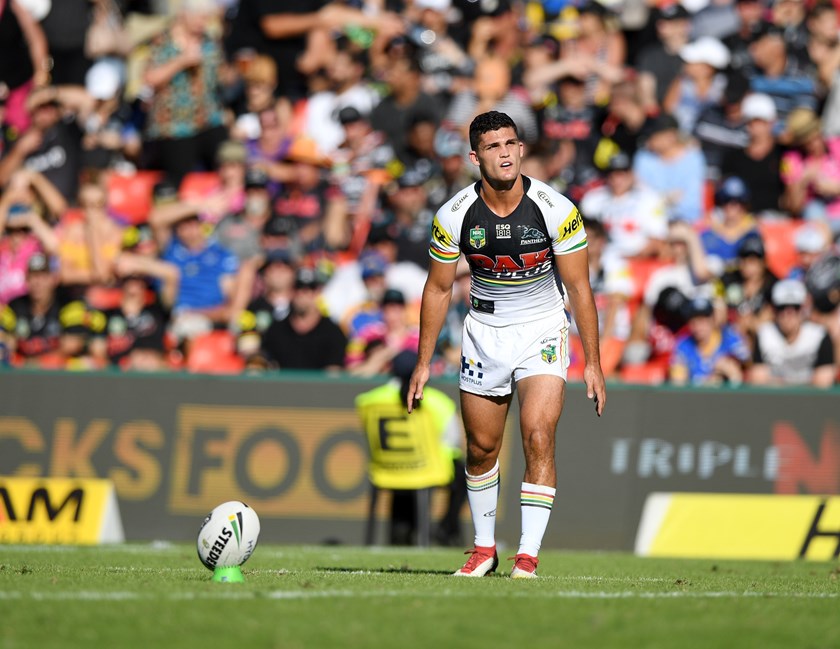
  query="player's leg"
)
[
  {"x": 484, "y": 423},
  {"x": 540, "y": 404}
]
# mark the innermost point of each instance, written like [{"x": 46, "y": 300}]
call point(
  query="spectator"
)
[
  {"x": 260, "y": 79},
  {"x": 305, "y": 339},
  {"x": 750, "y": 24},
  {"x": 673, "y": 167},
  {"x": 730, "y": 225},
  {"x": 811, "y": 242},
  {"x": 791, "y": 350},
  {"x": 240, "y": 230},
  {"x": 721, "y": 127},
  {"x": 65, "y": 27},
  {"x": 24, "y": 60},
  {"x": 709, "y": 354},
  {"x": 811, "y": 172},
  {"x": 185, "y": 119},
  {"x": 632, "y": 214},
  {"x": 277, "y": 283},
  {"x": 758, "y": 163},
  {"x": 212, "y": 291},
  {"x": 23, "y": 232},
  {"x": 134, "y": 331},
  {"x": 659, "y": 63},
  {"x": 451, "y": 153},
  {"x": 622, "y": 125},
  {"x": 371, "y": 351},
  {"x": 406, "y": 98},
  {"x": 700, "y": 84},
  {"x": 747, "y": 289},
  {"x": 491, "y": 91}
]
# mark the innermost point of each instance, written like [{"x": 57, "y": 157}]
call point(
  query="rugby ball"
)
[{"x": 228, "y": 536}]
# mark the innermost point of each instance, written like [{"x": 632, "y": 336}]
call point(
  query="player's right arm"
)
[{"x": 437, "y": 293}]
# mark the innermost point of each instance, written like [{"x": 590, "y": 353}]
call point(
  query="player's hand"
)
[
  {"x": 593, "y": 377},
  {"x": 418, "y": 380}
]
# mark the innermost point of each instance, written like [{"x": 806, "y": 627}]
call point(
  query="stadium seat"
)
[
  {"x": 214, "y": 353},
  {"x": 640, "y": 271},
  {"x": 779, "y": 246},
  {"x": 198, "y": 185},
  {"x": 130, "y": 195},
  {"x": 644, "y": 374}
]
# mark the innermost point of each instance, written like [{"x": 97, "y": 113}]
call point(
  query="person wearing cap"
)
[
  {"x": 240, "y": 231},
  {"x": 23, "y": 232},
  {"x": 632, "y": 214},
  {"x": 758, "y": 163},
  {"x": 791, "y": 350},
  {"x": 777, "y": 72},
  {"x": 259, "y": 75},
  {"x": 31, "y": 321},
  {"x": 438, "y": 423},
  {"x": 811, "y": 241},
  {"x": 185, "y": 120},
  {"x": 811, "y": 171},
  {"x": 306, "y": 339},
  {"x": 369, "y": 310},
  {"x": 750, "y": 23},
  {"x": 700, "y": 84},
  {"x": 673, "y": 167},
  {"x": 720, "y": 127},
  {"x": 277, "y": 282},
  {"x": 709, "y": 354},
  {"x": 376, "y": 344},
  {"x": 659, "y": 63},
  {"x": 731, "y": 223},
  {"x": 746, "y": 289}
]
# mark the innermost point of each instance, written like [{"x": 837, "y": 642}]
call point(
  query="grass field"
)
[{"x": 161, "y": 596}]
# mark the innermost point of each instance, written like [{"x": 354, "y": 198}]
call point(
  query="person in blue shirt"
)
[
  {"x": 709, "y": 354},
  {"x": 211, "y": 282},
  {"x": 732, "y": 223}
]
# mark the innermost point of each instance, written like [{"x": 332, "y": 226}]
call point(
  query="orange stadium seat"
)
[
  {"x": 198, "y": 185},
  {"x": 779, "y": 246},
  {"x": 214, "y": 353},
  {"x": 130, "y": 195},
  {"x": 645, "y": 374}
]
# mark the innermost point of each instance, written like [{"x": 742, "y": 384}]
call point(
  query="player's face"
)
[{"x": 499, "y": 156}]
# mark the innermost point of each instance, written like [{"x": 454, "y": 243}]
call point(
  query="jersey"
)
[
  {"x": 511, "y": 258},
  {"x": 794, "y": 362}
]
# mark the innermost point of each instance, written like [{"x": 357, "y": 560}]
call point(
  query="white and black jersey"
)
[
  {"x": 511, "y": 257},
  {"x": 793, "y": 362}
]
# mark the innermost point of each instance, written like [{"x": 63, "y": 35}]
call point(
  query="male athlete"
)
[{"x": 512, "y": 229}]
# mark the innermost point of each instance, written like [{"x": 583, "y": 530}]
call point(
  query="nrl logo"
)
[
  {"x": 544, "y": 197},
  {"x": 477, "y": 237},
  {"x": 549, "y": 354}
]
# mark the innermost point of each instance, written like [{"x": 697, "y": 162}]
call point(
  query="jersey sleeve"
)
[
  {"x": 567, "y": 230},
  {"x": 444, "y": 246}
]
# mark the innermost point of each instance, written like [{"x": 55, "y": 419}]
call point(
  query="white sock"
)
[
  {"x": 483, "y": 496},
  {"x": 535, "y": 501}
]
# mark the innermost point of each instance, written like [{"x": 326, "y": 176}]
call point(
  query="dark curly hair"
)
[{"x": 492, "y": 120}]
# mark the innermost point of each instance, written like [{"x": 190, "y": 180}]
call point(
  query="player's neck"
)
[{"x": 502, "y": 198}]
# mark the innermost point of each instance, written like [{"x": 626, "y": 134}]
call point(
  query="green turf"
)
[{"x": 160, "y": 596}]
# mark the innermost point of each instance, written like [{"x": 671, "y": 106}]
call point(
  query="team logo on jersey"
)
[
  {"x": 544, "y": 198},
  {"x": 478, "y": 237},
  {"x": 503, "y": 230},
  {"x": 549, "y": 354},
  {"x": 529, "y": 235}
]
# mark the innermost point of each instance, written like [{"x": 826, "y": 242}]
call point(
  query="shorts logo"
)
[
  {"x": 528, "y": 235},
  {"x": 471, "y": 371},
  {"x": 549, "y": 354},
  {"x": 503, "y": 230},
  {"x": 478, "y": 237}
]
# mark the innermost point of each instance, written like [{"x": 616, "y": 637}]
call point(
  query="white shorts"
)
[{"x": 493, "y": 358}]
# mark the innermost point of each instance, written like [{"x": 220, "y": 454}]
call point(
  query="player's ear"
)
[{"x": 474, "y": 158}]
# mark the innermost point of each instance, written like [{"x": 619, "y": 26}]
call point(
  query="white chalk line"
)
[{"x": 229, "y": 592}]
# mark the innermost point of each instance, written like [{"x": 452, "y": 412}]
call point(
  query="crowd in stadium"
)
[{"x": 243, "y": 186}]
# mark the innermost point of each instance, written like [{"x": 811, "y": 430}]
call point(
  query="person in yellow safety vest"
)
[{"x": 384, "y": 407}]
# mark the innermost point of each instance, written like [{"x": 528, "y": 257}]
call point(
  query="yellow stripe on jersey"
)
[
  {"x": 441, "y": 246},
  {"x": 571, "y": 226}
]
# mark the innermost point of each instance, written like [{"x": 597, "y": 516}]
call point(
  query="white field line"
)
[{"x": 230, "y": 594}]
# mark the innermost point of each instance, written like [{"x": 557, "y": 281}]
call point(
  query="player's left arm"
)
[{"x": 574, "y": 270}]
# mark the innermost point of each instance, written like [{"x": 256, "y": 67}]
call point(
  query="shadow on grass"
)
[{"x": 400, "y": 570}]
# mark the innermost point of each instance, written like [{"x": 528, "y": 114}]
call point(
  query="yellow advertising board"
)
[
  {"x": 59, "y": 511},
  {"x": 739, "y": 526}
]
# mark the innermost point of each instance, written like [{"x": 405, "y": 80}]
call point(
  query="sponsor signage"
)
[{"x": 740, "y": 526}]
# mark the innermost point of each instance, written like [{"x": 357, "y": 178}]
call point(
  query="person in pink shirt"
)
[
  {"x": 23, "y": 232},
  {"x": 811, "y": 173}
]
